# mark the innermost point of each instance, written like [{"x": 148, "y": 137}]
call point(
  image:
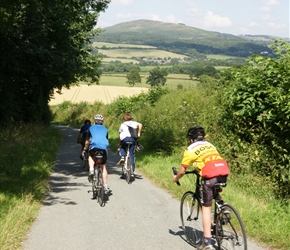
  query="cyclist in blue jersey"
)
[
  {"x": 83, "y": 135},
  {"x": 97, "y": 139}
]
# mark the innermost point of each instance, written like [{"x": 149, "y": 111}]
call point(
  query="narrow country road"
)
[{"x": 136, "y": 216}]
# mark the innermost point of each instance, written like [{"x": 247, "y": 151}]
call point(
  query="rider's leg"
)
[
  {"x": 132, "y": 155},
  {"x": 206, "y": 221},
  {"x": 105, "y": 174},
  {"x": 91, "y": 164}
]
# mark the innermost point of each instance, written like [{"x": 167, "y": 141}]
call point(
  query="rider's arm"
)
[
  {"x": 139, "y": 125},
  {"x": 179, "y": 174}
]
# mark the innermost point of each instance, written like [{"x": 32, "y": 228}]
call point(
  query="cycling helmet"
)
[
  {"x": 99, "y": 118},
  {"x": 195, "y": 131}
]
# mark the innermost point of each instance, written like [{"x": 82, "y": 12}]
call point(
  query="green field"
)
[
  {"x": 148, "y": 53},
  {"x": 118, "y": 45},
  {"x": 223, "y": 57},
  {"x": 113, "y": 51},
  {"x": 173, "y": 80}
]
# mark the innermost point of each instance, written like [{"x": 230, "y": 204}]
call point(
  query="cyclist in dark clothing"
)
[{"x": 83, "y": 134}]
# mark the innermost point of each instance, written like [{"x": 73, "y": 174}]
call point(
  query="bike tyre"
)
[
  {"x": 94, "y": 187},
  {"x": 100, "y": 187},
  {"x": 189, "y": 214},
  {"x": 230, "y": 230}
]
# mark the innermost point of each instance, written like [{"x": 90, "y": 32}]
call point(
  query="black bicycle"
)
[
  {"x": 227, "y": 228},
  {"x": 98, "y": 181}
]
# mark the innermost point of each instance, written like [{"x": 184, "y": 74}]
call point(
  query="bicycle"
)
[
  {"x": 127, "y": 172},
  {"x": 227, "y": 228},
  {"x": 98, "y": 181}
]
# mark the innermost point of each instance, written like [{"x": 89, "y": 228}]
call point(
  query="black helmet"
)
[{"x": 195, "y": 132}]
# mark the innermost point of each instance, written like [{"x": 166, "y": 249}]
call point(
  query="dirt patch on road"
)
[{"x": 93, "y": 93}]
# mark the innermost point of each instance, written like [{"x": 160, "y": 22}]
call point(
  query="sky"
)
[{"x": 236, "y": 17}]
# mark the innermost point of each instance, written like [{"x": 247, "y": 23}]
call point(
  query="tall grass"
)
[{"x": 27, "y": 157}]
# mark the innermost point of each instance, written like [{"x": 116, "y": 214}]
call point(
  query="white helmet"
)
[{"x": 99, "y": 118}]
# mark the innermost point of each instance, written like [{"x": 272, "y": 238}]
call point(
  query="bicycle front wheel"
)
[
  {"x": 100, "y": 187},
  {"x": 189, "y": 213},
  {"x": 230, "y": 231}
]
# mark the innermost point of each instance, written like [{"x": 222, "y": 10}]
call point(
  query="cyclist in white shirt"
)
[{"x": 125, "y": 136}]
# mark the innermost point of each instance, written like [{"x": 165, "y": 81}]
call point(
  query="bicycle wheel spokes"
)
[
  {"x": 189, "y": 212},
  {"x": 230, "y": 230},
  {"x": 100, "y": 187}
]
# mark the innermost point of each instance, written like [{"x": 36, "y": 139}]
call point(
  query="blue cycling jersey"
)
[{"x": 98, "y": 135}]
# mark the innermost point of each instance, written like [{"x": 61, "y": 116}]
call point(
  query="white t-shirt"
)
[{"x": 124, "y": 130}]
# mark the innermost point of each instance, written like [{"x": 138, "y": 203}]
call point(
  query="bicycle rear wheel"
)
[
  {"x": 128, "y": 170},
  {"x": 94, "y": 187},
  {"x": 100, "y": 187},
  {"x": 189, "y": 213},
  {"x": 230, "y": 231}
]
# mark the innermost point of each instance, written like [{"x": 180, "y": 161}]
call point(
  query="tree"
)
[
  {"x": 133, "y": 77},
  {"x": 44, "y": 46},
  {"x": 157, "y": 77}
]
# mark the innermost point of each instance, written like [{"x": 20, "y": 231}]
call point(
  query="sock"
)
[
  {"x": 207, "y": 241},
  {"x": 91, "y": 170}
]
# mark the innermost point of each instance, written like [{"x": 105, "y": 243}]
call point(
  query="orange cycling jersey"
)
[{"x": 206, "y": 159}]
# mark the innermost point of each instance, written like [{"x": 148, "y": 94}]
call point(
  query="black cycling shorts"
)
[
  {"x": 99, "y": 155},
  {"x": 207, "y": 192}
]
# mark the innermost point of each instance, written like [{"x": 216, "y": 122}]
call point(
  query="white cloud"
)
[
  {"x": 254, "y": 24},
  {"x": 266, "y": 7},
  {"x": 172, "y": 19},
  {"x": 272, "y": 2},
  {"x": 213, "y": 20},
  {"x": 121, "y": 2}
]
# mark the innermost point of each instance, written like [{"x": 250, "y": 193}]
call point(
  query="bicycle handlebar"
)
[
  {"x": 175, "y": 173},
  {"x": 194, "y": 171}
]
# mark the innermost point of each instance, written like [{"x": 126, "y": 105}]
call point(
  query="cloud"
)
[
  {"x": 172, "y": 19},
  {"x": 272, "y": 2},
  {"x": 266, "y": 7},
  {"x": 134, "y": 16},
  {"x": 213, "y": 20},
  {"x": 253, "y": 24},
  {"x": 122, "y": 2}
]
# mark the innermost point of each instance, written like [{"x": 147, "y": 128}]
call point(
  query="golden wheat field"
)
[{"x": 93, "y": 93}]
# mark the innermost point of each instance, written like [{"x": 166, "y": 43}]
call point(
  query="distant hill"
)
[{"x": 182, "y": 39}]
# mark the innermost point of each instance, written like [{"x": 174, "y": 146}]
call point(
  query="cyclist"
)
[
  {"x": 125, "y": 136},
  {"x": 97, "y": 139},
  {"x": 83, "y": 134},
  {"x": 213, "y": 169}
]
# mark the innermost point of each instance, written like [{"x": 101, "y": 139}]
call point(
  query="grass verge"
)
[{"x": 27, "y": 157}]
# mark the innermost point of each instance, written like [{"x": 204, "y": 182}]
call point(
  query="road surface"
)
[{"x": 136, "y": 216}]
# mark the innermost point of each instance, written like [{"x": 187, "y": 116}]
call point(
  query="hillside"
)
[{"x": 180, "y": 38}]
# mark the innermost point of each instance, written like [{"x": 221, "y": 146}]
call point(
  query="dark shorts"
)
[
  {"x": 99, "y": 155},
  {"x": 207, "y": 192}
]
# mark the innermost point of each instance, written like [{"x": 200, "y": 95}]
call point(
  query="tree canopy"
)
[
  {"x": 44, "y": 46},
  {"x": 157, "y": 77}
]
